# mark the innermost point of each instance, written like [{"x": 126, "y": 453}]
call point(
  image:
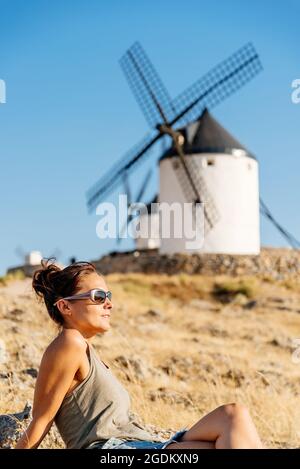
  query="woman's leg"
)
[
  {"x": 228, "y": 426},
  {"x": 191, "y": 445}
]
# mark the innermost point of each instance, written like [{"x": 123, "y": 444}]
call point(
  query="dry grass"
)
[
  {"x": 196, "y": 351},
  {"x": 11, "y": 277}
]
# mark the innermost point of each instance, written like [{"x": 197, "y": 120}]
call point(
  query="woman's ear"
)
[{"x": 64, "y": 307}]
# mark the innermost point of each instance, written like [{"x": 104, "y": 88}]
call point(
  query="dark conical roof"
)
[{"x": 206, "y": 135}]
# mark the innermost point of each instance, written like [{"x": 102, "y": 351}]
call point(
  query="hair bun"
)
[{"x": 42, "y": 281}]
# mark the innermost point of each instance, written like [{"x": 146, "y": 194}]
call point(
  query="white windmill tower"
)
[{"x": 227, "y": 177}]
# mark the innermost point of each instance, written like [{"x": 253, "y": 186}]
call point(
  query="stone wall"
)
[{"x": 278, "y": 263}]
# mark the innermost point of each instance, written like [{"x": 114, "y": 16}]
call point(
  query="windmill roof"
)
[{"x": 206, "y": 135}]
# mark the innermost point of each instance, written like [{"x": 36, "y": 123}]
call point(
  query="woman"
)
[{"x": 78, "y": 391}]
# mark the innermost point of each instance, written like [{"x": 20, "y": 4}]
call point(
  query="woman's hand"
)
[{"x": 34, "y": 434}]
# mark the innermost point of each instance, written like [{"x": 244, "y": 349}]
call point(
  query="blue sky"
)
[{"x": 70, "y": 113}]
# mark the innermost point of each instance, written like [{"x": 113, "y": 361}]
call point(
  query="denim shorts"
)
[{"x": 119, "y": 443}]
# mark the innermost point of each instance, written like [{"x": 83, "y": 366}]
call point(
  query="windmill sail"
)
[
  {"x": 113, "y": 177},
  {"x": 210, "y": 210},
  {"x": 138, "y": 199},
  {"x": 147, "y": 86},
  {"x": 218, "y": 84},
  {"x": 265, "y": 211},
  {"x": 162, "y": 113}
]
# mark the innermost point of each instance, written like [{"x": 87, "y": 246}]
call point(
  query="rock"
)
[
  {"x": 202, "y": 305},
  {"x": 29, "y": 353},
  {"x": 3, "y": 353},
  {"x": 172, "y": 397},
  {"x": 12, "y": 426},
  {"x": 6, "y": 375},
  {"x": 216, "y": 332},
  {"x": 276, "y": 300},
  {"x": 135, "y": 368},
  {"x": 236, "y": 376},
  {"x": 31, "y": 371},
  {"x": 177, "y": 366},
  {"x": 251, "y": 304},
  {"x": 240, "y": 299},
  {"x": 282, "y": 342},
  {"x": 16, "y": 314},
  {"x": 277, "y": 264},
  {"x": 154, "y": 313}
]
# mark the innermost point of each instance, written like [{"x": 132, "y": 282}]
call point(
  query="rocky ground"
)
[
  {"x": 275, "y": 263},
  {"x": 181, "y": 344}
]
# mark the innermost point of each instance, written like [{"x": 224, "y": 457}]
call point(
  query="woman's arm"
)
[{"x": 58, "y": 367}]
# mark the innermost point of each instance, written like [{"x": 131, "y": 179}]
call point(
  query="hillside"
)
[{"x": 180, "y": 344}]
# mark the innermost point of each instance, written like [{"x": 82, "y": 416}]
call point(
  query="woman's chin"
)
[{"x": 103, "y": 327}]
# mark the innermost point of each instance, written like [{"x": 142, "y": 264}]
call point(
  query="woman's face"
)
[{"x": 84, "y": 315}]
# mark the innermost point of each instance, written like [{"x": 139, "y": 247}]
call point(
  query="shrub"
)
[{"x": 226, "y": 291}]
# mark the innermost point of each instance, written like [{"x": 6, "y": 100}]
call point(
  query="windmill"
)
[
  {"x": 178, "y": 120},
  {"x": 34, "y": 258},
  {"x": 28, "y": 258},
  {"x": 149, "y": 227},
  {"x": 166, "y": 116},
  {"x": 131, "y": 204}
]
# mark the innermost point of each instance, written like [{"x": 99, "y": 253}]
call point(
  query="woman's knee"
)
[
  {"x": 236, "y": 412},
  {"x": 239, "y": 420}
]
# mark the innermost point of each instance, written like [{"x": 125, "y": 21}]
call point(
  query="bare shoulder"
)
[
  {"x": 61, "y": 361},
  {"x": 69, "y": 344}
]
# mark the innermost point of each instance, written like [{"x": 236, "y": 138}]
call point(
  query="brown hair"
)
[{"x": 52, "y": 283}]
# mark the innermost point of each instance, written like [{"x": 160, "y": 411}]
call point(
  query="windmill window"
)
[{"x": 210, "y": 162}]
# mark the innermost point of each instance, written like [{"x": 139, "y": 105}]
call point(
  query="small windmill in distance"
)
[
  {"x": 31, "y": 260},
  {"x": 142, "y": 240}
]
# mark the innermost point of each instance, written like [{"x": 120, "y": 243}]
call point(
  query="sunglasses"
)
[{"x": 96, "y": 295}]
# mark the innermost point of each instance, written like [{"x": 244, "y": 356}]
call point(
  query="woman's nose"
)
[{"x": 108, "y": 304}]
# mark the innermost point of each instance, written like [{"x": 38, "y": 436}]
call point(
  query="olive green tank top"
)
[{"x": 98, "y": 409}]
